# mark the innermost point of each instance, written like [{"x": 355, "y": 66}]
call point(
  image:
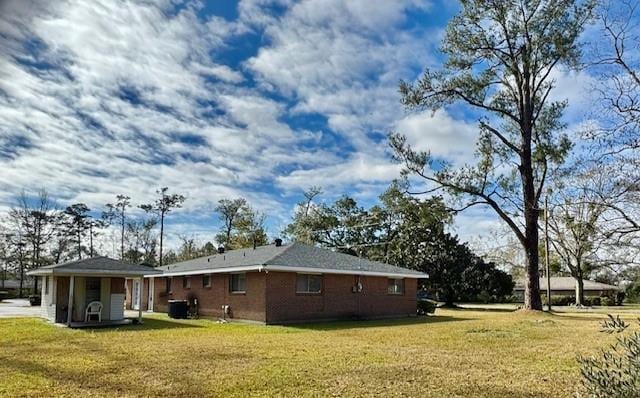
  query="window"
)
[
  {"x": 395, "y": 286},
  {"x": 237, "y": 284},
  {"x": 308, "y": 283},
  {"x": 168, "y": 289},
  {"x": 206, "y": 280},
  {"x": 186, "y": 282},
  {"x": 46, "y": 285}
]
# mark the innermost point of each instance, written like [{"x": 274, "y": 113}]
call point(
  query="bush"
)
[
  {"x": 563, "y": 300},
  {"x": 616, "y": 370},
  {"x": 426, "y": 306},
  {"x": 4, "y": 295},
  {"x": 596, "y": 301},
  {"x": 607, "y": 301}
]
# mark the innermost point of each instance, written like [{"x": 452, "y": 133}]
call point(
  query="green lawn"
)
[{"x": 470, "y": 353}]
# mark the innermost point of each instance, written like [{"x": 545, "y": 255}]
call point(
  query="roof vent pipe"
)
[
  {"x": 278, "y": 242},
  {"x": 220, "y": 249}
]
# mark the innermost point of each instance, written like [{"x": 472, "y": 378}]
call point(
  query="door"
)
[
  {"x": 136, "y": 294},
  {"x": 62, "y": 298},
  {"x": 151, "y": 282}
]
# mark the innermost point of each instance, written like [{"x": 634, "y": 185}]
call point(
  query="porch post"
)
[
  {"x": 70, "y": 305},
  {"x": 140, "y": 290}
]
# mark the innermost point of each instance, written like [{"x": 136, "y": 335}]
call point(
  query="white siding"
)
[
  {"x": 117, "y": 307},
  {"x": 47, "y": 304}
]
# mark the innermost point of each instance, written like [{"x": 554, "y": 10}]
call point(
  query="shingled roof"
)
[
  {"x": 294, "y": 257},
  {"x": 96, "y": 266}
]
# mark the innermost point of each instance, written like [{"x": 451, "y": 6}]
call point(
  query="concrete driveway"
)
[{"x": 17, "y": 307}]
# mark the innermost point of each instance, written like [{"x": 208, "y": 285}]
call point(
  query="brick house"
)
[{"x": 280, "y": 284}]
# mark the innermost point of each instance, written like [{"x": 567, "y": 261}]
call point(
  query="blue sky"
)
[{"x": 257, "y": 98}]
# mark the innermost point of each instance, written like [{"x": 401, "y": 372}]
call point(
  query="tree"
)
[
  {"x": 615, "y": 145},
  {"x": 34, "y": 220},
  {"x": 117, "y": 211},
  {"x": 18, "y": 255},
  {"x": 572, "y": 232},
  {"x": 500, "y": 60},
  {"x": 77, "y": 223},
  {"x": 161, "y": 207},
  {"x": 230, "y": 212},
  {"x": 141, "y": 241},
  {"x": 341, "y": 226},
  {"x": 250, "y": 229},
  {"x": 300, "y": 228}
]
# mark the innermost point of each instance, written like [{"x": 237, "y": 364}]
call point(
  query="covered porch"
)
[{"x": 88, "y": 293}]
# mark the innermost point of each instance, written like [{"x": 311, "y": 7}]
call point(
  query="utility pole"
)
[{"x": 546, "y": 249}]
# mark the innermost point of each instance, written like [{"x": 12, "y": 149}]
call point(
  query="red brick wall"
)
[
  {"x": 337, "y": 299},
  {"x": 272, "y": 298},
  {"x": 117, "y": 286},
  {"x": 249, "y": 306}
]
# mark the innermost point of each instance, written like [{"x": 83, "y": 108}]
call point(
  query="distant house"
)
[
  {"x": 68, "y": 289},
  {"x": 566, "y": 286},
  {"x": 282, "y": 283}
]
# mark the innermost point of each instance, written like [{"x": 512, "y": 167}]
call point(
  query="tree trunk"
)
[
  {"x": 21, "y": 279},
  {"x": 161, "y": 235},
  {"x": 79, "y": 244},
  {"x": 122, "y": 237},
  {"x": 35, "y": 264},
  {"x": 90, "y": 240},
  {"x": 532, "y": 300},
  {"x": 579, "y": 288}
]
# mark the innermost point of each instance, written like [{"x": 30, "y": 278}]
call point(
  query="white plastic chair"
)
[{"x": 93, "y": 308}]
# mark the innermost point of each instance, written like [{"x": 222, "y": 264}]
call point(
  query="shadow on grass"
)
[
  {"x": 148, "y": 324},
  {"x": 359, "y": 324},
  {"x": 478, "y": 309}
]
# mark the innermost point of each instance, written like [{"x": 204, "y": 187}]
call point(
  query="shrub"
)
[
  {"x": 607, "y": 301},
  {"x": 596, "y": 301},
  {"x": 4, "y": 295},
  {"x": 426, "y": 306},
  {"x": 615, "y": 372},
  {"x": 562, "y": 300}
]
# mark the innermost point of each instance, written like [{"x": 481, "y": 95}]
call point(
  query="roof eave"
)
[
  {"x": 85, "y": 272},
  {"x": 285, "y": 268}
]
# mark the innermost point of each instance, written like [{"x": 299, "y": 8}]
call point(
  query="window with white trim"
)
[
  {"x": 237, "y": 283},
  {"x": 186, "y": 282},
  {"x": 168, "y": 285},
  {"x": 395, "y": 286},
  {"x": 206, "y": 280},
  {"x": 308, "y": 283}
]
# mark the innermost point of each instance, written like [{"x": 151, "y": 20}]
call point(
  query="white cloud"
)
[
  {"x": 360, "y": 168},
  {"x": 437, "y": 132},
  {"x": 343, "y": 60}
]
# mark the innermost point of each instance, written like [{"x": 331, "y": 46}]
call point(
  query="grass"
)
[{"x": 470, "y": 353}]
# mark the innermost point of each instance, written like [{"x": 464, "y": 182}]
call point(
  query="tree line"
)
[{"x": 37, "y": 232}]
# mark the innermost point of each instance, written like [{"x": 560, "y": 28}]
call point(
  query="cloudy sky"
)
[{"x": 257, "y": 98}]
